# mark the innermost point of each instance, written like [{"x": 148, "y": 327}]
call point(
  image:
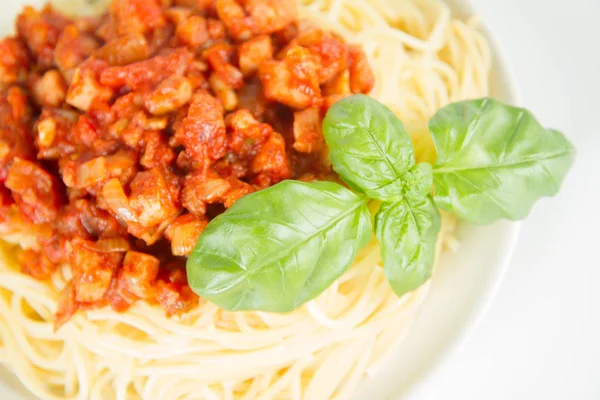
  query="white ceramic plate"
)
[{"x": 461, "y": 289}]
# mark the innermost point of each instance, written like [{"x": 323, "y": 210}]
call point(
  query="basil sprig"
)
[
  {"x": 372, "y": 152},
  {"x": 276, "y": 249}
]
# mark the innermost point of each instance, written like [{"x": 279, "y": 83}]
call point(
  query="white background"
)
[{"x": 541, "y": 336}]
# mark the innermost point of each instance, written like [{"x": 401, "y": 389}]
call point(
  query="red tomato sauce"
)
[{"x": 122, "y": 135}]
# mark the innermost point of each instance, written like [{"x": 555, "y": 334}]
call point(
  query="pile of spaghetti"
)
[{"x": 122, "y": 135}]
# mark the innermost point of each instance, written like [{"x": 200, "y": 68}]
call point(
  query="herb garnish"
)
[{"x": 276, "y": 249}]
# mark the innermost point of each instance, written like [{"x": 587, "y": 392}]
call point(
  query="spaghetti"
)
[{"x": 423, "y": 58}]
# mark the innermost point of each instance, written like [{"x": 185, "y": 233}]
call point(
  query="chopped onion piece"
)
[
  {"x": 138, "y": 274},
  {"x": 46, "y": 132},
  {"x": 91, "y": 172},
  {"x": 110, "y": 245},
  {"x": 185, "y": 238},
  {"x": 184, "y": 232},
  {"x": 152, "y": 236},
  {"x": 213, "y": 190},
  {"x": 117, "y": 200}
]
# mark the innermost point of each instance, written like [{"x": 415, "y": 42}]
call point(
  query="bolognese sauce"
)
[{"x": 123, "y": 135}]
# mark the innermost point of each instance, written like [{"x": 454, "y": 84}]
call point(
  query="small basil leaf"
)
[
  {"x": 417, "y": 181},
  {"x": 280, "y": 247},
  {"x": 495, "y": 161},
  {"x": 368, "y": 146},
  {"x": 407, "y": 232}
]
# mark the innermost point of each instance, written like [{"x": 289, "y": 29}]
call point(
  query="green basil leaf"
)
[
  {"x": 278, "y": 248},
  {"x": 495, "y": 161},
  {"x": 368, "y": 146},
  {"x": 407, "y": 232}
]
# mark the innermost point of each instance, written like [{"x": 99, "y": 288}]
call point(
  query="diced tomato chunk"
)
[
  {"x": 246, "y": 132},
  {"x": 339, "y": 85},
  {"x": 216, "y": 29},
  {"x": 154, "y": 198},
  {"x": 36, "y": 192},
  {"x": 138, "y": 274},
  {"x": 86, "y": 87},
  {"x": 179, "y": 13},
  {"x": 307, "y": 131},
  {"x": 193, "y": 31},
  {"x": 123, "y": 165},
  {"x": 73, "y": 47},
  {"x": 50, "y": 90},
  {"x": 136, "y": 16},
  {"x": 254, "y": 52},
  {"x": 294, "y": 81},
  {"x": 271, "y": 163},
  {"x": 173, "y": 293},
  {"x": 203, "y": 132},
  {"x": 235, "y": 18},
  {"x": 255, "y": 17},
  {"x": 330, "y": 51},
  {"x": 14, "y": 61},
  {"x": 172, "y": 94},
  {"x": 362, "y": 78},
  {"x": 208, "y": 189},
  {"x": 92, "y": 271},
  {"x": 269, "y": 16},
  {"x": 15, "y": 136},
  {"x": 157, "y": 152},
  {"x": 219, "y": 57},
  {"x": 125, "y": 49},
  {"x": 41, "y": 30}
]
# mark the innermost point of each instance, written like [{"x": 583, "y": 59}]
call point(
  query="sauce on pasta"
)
[{"x": 129, "y": 131}]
